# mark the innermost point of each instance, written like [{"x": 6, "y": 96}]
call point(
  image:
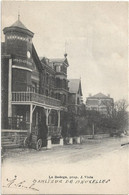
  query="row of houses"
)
[
  {"x": 38, "y": 100},
  {"x": 36, "y": 93}
]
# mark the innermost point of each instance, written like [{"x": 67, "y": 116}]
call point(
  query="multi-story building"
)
[
  {"x": 101, "y": 103},
  {"x": 34, "y": 90}
]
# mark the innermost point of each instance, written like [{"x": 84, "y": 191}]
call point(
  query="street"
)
[
  {"x": 76, "y": 153},
  {"x": 101, "y": 160}
]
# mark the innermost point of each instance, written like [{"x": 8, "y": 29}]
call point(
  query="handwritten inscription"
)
[
  {"x": 72, "y": 180},
  {"x": 13, "y": 183}
]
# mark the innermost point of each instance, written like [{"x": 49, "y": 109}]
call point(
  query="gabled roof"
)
[{"x": 75, "y": 86}]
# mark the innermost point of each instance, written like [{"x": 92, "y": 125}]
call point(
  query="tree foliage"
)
[
  {"x": 116, "y": 119},
  {"x": 117, "y": 116}
]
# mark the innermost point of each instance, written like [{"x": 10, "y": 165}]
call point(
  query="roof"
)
[
  {"x": 75, "y": 86},
  {"x": 36, "y": 58},
  {"x": 50, "y": 61},
  {"x": 99, "y": 96},
  {"x": 19, "y": 24},
  {"x": 45, "y": 63},
  {"x": 59, "y": 60}
]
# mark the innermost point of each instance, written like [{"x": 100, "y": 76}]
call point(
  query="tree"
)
[
  {"x": 117, "y": 118},
  {"x": 94, "y": 120},
  {"x": 120, "y": 114}
]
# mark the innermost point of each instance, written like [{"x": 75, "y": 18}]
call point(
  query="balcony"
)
[{"x": 28, "y": 97}]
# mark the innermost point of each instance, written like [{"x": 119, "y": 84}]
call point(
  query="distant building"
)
[
  {"x": 75, "y": 95},
  {"x": 101, "y": 103}
]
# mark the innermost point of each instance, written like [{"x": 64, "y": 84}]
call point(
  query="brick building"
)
[{"x": 35, "y": 91}]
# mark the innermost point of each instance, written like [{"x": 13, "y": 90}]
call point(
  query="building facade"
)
[
  {"x": 101, "y": 103},
  {"x": 35, "y": 92}
]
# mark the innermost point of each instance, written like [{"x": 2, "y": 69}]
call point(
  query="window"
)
[{"x": 58, "y": 68}]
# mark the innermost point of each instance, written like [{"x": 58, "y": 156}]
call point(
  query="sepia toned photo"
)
[{"x": 64, "y": 97}]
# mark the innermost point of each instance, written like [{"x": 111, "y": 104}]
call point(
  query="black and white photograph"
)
[{"x": 64, "y": 97}]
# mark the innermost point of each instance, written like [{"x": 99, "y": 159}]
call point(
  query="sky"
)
[{"x": 94, "y": 35}]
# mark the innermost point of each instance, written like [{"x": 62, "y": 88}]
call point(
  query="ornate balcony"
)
[{"x": 28, "y": 97}]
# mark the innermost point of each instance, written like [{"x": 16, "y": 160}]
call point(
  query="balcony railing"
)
[{"x": 34, "y": 97}]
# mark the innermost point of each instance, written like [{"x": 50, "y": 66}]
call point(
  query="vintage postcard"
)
[{"x": 64, "y": 103}]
